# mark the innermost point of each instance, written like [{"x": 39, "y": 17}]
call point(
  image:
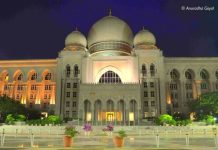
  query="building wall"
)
[{"x": 32, "y": 82}]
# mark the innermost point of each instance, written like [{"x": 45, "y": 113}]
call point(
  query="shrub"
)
[
  {"x": 52, "y": 119},
  {"x": 20, "y": 118},
  {"x": 10, "y": 119},
  {"x": 209, "y": 120},
  {"x": 71, "y": 131},
  {"x": 166, "y": 119},
  {"x": 122, "y": 134}
]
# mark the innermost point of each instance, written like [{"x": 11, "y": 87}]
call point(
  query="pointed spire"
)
[{"x": 110, "y": 12}]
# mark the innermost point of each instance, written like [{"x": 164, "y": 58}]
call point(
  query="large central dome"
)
[{"x": 110, "y": 35}]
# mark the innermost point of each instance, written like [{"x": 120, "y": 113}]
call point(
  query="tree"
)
[
  {"x": 207, "y": 104},
  {"x": 11, "y": 106}
]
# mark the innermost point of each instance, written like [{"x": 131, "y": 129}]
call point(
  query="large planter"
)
[
  {"x": 68, "y": 141},
  {"x": 118, "y": 141}
]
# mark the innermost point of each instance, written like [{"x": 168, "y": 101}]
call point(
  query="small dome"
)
[
  {"x": 144, "y": 37},
  {"x": 75, "y": 38}
]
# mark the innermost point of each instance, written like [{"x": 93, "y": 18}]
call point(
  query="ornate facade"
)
[{"x": 110, "y": 76}]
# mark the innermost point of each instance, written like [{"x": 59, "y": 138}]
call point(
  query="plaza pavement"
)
[{"x": 170, "y": 138}]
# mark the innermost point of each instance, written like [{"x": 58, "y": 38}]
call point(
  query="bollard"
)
[
  {"x": 187, "y": 139},
  {"x": 32, "y": 140},
  {"x": 3, "y": 138},
  {"x": 157, "y": 140},
  {"x": 215, "y": 140},
  {"x": 16, "y": 132}
]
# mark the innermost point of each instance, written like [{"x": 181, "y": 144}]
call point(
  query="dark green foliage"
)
[
  {"x": 54, "y": 120},
  {"x": 71, "y": 131},
  {"x": 209, "y": 120},
  {"x": 207, "y": 104},
  {"x": 122, "y": 133},
  {"x": 11, "y": 106}
]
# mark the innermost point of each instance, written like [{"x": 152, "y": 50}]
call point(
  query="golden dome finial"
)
[{"x": 110, "y": 12}]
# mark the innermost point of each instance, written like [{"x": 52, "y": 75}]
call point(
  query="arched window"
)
[
  {"x": 216, "y": 74},
  {"x": 20, "y": 77},
  {"x": 188, "y": 75},
  {"x": 174, "y": 74},
  {"x": 144, "y": 70},
  {"x": 204, "y": 75},
  {"x": 76, "y": 70},
  {"x": 152, "y": 70},
  {"x": 33, "y": 76},
  {"x": 68, "y": 71},
  {"x": 48, "y": 76},
  {"x": 110, "y": 77}
]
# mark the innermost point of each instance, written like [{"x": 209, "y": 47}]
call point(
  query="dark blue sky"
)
[{"x": 32, "y": 29}]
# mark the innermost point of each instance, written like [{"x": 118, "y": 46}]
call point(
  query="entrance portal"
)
[{"x": 109, "y": 116}]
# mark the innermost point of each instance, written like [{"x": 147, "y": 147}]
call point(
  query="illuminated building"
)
[{"x": 110, "y": 76}]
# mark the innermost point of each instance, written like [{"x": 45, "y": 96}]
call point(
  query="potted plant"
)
[
  {"x": 70, "y": 132},
  {"x": 109, "y": 129},
  {"x": 87, "y": 128},
  {"x": 119, "y": 139}
]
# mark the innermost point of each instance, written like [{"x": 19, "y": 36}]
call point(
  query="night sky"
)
[{"x": 32, "y": 29}]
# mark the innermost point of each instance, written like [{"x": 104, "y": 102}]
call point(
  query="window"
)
[
  {"x": 110, "y": 77},
  {"x": 45, "y": 96},
  {"x": 151, "y": 84},
  {"x": 144, "y": 70},
  {"x": 47, "y": 87},
  {"x": 152, "y": 93},
  {"x": 68, "y": 94},
  {"x": 76, "y": 71},
  {"x": 74, "y": 94},
  {"x": 204, "y": 75},
  {"x": 173, "y": 86},
  {"x": 145, "y": 103},
  {"x": 67, "y": 104},
  {"x": 74, "y": 104},
  {"x": 203, "y": 85},
  {"x": 68, "y": 71},
  {"x": 49, "y": 96},
  {"x": 188, "y": 86},
  {"x": 18, "y": 96},
  {"x": 174, "y": 74},
  {"x": 20, "y": 77},
  {"x": 33, "y": 87},
  {"x": 74, "y": 85},
  {"x": 67, "y": 114},
  {"x": 188, "y": 75},
  {"x": 189, "y": 95},
  {"x": 48, "y": 76},
  {"x": 68, "y": 85},
  {"x": 6, "y": 87},
  {"x": 152, "y": 103},
  {"x": 31, "y": 96},
  {"x": 216, "y": 74},
  {"x": 34, "y": 76},
  {"x": 145, "y": 85},
  {"x": 145, "y": 94},
  {"x": 152, "y": 70},
  {"x": 19, "y": 87}
]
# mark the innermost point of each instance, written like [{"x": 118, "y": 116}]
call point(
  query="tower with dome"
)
[{"x": 112, "y": 75}]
